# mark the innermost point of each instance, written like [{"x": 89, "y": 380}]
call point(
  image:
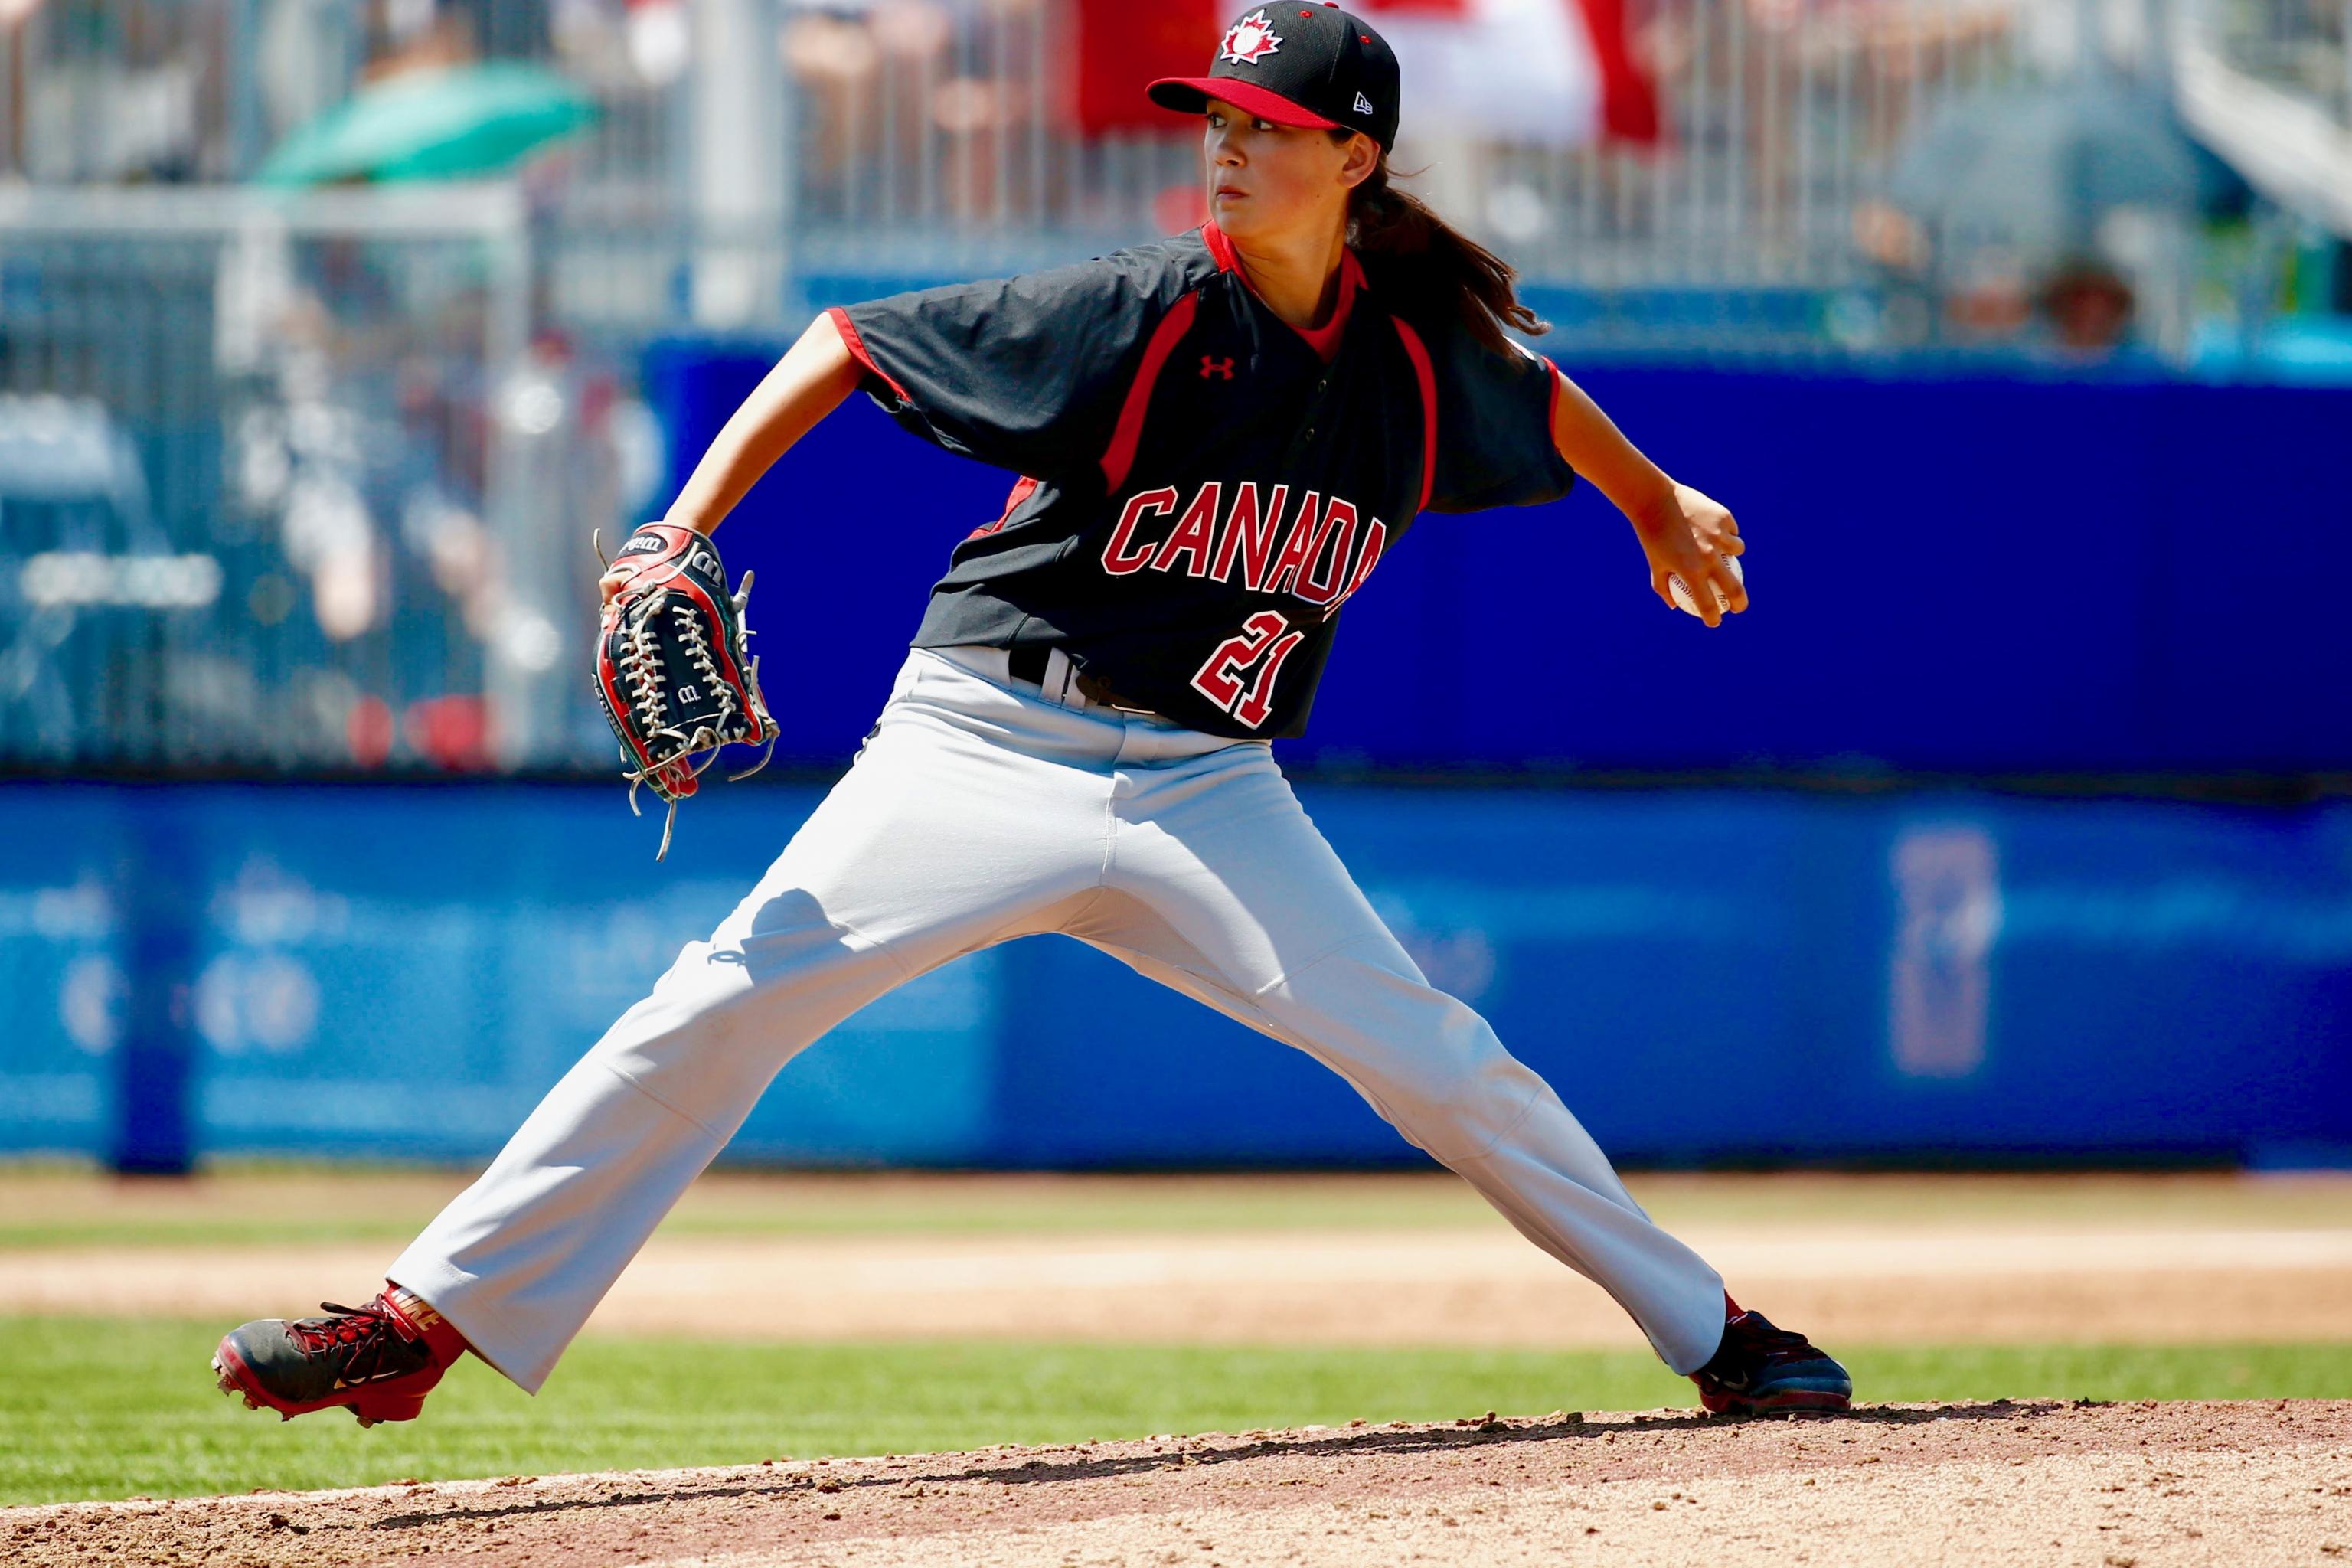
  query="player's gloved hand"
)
[
  {"x": 671, "y": 664},
  {"x": 1687, "y": 537}
]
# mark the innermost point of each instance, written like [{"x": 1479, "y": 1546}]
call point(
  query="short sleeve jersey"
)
[{"x": 1202, "y": 485}]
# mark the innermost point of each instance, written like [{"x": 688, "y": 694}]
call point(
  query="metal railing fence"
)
[
  {"x": 916, "y": 137},
  {"x": 279, "y": 483}
]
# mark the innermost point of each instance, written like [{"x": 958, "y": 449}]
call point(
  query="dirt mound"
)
[{"x": 2109, "y": 1486}]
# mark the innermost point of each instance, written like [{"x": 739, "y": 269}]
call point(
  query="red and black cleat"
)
[
  {"x": 1761, "y": 1367},
  {"x": 377, "y": 1358}
]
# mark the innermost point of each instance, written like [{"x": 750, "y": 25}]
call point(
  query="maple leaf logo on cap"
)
[{"x": 1249, "y": 40}]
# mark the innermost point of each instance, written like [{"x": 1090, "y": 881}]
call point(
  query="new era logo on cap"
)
[{"x": 1363, "y": 104}]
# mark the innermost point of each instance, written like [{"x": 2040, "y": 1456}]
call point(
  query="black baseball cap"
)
[{"x": 1298, "y": 64}]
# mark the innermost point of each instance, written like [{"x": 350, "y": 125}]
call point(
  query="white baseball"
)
[{"x": 1685, "y": 602}]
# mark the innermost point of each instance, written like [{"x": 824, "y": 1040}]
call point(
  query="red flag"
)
[
  {"x": 1560, "y": 72},
  {"x": 1629, "y": 98},
  {"x": 1123, "y": 43}
]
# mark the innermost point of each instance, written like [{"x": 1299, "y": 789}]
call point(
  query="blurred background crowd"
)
[{"x": 325, "y": 325}]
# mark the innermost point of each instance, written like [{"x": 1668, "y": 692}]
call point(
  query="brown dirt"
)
[
  {"x": 1849, "y": 1285},
  {"x": 2105, "y": 1486}
]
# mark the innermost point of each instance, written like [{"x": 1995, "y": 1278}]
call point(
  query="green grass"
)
[{"x": 110, "y": 1408}]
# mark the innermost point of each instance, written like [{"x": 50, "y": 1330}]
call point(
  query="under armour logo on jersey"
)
[
  {"x": 1363, "y": 104},
  {"x": 1209, "y": 367}
]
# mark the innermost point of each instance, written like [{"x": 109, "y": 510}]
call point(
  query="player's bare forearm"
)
[
  {"x": 1683, "y": 533},
  {"x": 802, "y": 387},
  {"x": 1599, "y": 452}
]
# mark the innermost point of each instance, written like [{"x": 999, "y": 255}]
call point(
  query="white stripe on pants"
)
[{"x": 979, "y": 811}]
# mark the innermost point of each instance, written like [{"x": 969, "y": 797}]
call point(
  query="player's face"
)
[{"x": 1266, "y": 179}]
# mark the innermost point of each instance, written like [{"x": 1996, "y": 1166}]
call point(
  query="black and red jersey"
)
[{"x": 1202, "y": 485}]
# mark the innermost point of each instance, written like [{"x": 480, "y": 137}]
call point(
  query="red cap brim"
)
[{"x": 1190, "y": 95}]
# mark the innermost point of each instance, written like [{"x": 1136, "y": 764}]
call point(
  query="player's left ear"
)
[{"x": 1358, "y": 158}]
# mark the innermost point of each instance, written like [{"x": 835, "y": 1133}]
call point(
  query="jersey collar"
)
[{"x": 1324, "y": 340}]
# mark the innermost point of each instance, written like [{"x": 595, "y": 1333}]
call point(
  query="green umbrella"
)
[{"x": 442, "y": 124}]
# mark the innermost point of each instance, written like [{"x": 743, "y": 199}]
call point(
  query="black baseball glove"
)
[{"x": 670, "y": 665}]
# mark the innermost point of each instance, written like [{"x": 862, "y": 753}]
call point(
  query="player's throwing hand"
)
[{"x": 1688, "y": 538}]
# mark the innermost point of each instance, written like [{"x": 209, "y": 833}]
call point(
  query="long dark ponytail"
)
[{"x": 1403, "y": 240}]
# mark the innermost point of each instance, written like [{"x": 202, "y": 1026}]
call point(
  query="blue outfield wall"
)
[
  {"x": 1959, "y": 574},
  {"x": 1705, "y": 975}
]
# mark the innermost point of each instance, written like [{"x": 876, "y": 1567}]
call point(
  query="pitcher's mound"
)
[{"x": 2037, "y": 1482}]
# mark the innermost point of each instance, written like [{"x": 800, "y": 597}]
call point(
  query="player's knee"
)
[
  {"x": 1469, "y": 1093},
  {"x": 1426, "y": 1061}
]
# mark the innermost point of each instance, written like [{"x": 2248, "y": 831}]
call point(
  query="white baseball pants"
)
[{"x": 981, "y": 810}]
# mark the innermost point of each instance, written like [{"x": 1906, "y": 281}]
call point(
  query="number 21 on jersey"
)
[{"x": 1265, "y": 640}]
